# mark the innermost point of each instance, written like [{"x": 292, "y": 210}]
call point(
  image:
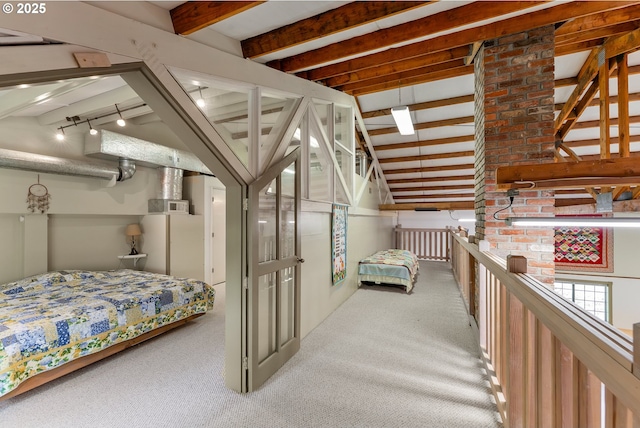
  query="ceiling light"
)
[
  {"x": 91, "y": 130},
  {"x": 200, "y": 101},
  {"x": 60, "y": 134},
  {"x": 403, "y": 121},
  {"x": 120, "y": 121},
  {"x": 574, "y": 221}
]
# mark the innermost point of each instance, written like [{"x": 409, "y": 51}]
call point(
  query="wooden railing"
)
[
  {"x": 551, "y": 364},
  {"x": 426, "y": 244}
]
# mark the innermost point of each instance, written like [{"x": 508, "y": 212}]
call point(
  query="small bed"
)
[
  {"x": 389, "y": 267},
  {"x": 57, "y": 322}
]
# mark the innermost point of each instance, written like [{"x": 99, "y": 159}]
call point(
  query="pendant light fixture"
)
[{"x": 402, "y": 116}]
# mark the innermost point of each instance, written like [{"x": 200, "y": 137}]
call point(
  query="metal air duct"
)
[
  {"x": 54, "y": 165},
  {"x": 107, "y": 144}
]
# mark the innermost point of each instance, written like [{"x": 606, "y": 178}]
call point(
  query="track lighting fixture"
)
[
  {"x": 120, "y": 121},
  {"x": 60, "y": 135},
  {"x": 91, "y": 130},
  {"x": 200, "y": 101}
]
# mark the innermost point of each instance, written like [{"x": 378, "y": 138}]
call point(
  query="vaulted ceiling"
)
[{"x": 420, "y": 54}]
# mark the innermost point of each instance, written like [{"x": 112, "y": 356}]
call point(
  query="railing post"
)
[
  {"x": 636, "y": 349},
  {"x": 472, "y": 286}
]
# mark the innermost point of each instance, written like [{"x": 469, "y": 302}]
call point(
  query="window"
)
[{"x": 593, "y": 297}]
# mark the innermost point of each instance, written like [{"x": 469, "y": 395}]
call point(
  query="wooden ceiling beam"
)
[
  {"x": 443, "y": 70},
  {"x": 362, "y": 88},
  {"x": 429, "y": 77},
  {"x": 435, "y": 206},
  {"x": 429, "y": 179},
  {"x": 596, "y": 34},
  {"x": 428, "y": 169},
  {"x": 431, "y": 62},
  {"x": 587, "y": 143},
  {"x": 583, "y": 172},
  {"x": 192, "y": 16},
  {"x": 582, "y": 206},
  {"x": 466, "y": 37},
  {"x": 596, "y": 123},
  {"x": 596, "y": 20},
  {"x": 571, "y": 202},
  {"x": 435, "y": 196},
  {"x": 351, "y": 15},
  {"x": 578, "y": 184},
  {"x": 572, "y": 48},
  {"x": 433, "y": 188},
  {"x": 596, "y": 101},
  {"x": 618, "y": 45},
  {"x": 424, "y": 143},
  {"x": 425, "y": 125},
  {"x": 386, "y": 37},
  {"x": 432, "y": 156},
  {"x": 422, "y": 106}
]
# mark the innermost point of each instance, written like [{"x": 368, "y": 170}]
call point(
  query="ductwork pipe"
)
[
  {"x": 127, "y": 169},
  {"x": 49, "y": 164},
  {"x": 170, "y": 183}
]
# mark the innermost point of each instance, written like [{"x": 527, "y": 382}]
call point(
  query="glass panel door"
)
[{"x": 274, "y": 276}]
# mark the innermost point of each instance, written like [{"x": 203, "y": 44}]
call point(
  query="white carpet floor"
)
[{"x": 383, "y": 359}]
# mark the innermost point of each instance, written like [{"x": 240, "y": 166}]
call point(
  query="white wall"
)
[
  {"x": 436, "y": 219},
  {"x": 85, "y": 226},
  {"x": 91, "y": 242},
  {"x": 365, "y": 235},
  {"x": 625, "y": 278}
]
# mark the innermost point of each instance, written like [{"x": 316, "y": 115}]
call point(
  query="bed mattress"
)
[
  {"x": 396, "y": 267},
  {"x": 51, "y": 319}
]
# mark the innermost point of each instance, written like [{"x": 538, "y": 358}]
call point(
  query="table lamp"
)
[{"x": 133, "y": 230}]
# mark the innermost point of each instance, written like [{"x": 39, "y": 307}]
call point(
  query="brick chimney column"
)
[{"x": 515, "y": 125}]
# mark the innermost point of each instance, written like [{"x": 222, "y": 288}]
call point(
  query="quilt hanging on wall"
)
[
  {"x": 339, "y": 243},
  {"x": 584, "y": 248}
]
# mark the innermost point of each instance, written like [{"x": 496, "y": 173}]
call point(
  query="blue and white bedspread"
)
[
  {"x": 398, "y": 267},
  {"x": 50, "y": 319}
]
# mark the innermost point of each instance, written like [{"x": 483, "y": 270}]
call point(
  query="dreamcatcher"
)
[{"x": 38, "y": 197}]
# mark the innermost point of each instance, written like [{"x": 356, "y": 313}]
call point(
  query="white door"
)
[{"x": 273, "y": 296}]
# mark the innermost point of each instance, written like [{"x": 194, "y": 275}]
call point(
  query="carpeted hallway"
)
[{"x": 383, "y": 359}]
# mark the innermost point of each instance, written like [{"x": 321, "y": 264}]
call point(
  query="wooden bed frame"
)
[{"x": 71, "y": 366}]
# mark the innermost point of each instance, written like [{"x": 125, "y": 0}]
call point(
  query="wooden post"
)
[
  {"x": 516, "y": 264},
  {"x": 472, "y": 286}
]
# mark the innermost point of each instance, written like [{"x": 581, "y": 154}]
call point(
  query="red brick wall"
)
[{"x": 519, "y": 129}]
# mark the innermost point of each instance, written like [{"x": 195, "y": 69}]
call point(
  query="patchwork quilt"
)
[
  {"x": 50, "y": 319},
  {"x": 392, "y": 266}
]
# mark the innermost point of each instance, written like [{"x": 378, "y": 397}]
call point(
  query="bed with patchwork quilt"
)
[
  {"x": 57, "y": 322},
  {"x": 389, "y": 267}
]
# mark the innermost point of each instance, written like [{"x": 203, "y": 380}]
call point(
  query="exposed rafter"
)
[
  {"x": 343, "y": 18},
  {"x": 195, "y": 15},
  {"x": 402, "y": 33},
  {"x": 428, "y": 206}
]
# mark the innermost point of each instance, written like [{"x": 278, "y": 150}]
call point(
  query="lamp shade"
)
[{"x": 133, "y": 230}]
